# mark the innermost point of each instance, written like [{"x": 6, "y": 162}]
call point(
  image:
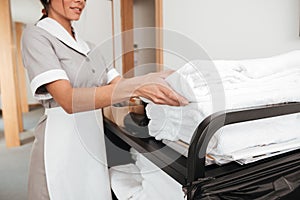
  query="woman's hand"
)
[{"x": 151, "y": 86}]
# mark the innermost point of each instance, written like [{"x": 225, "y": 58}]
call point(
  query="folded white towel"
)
[
  {"x": 168, "y": 122},
  {"x": 172, "y": 121},
  {"x": 195, "y": 81},
  {"x": 229, "y": 89},
  {"x": 125, "y": 181},
  {"x": 143, "y": 181},
  {"x": 266, "y": 150},
  {"x": 262, "y": 132},
  {"x": 157, "y": 182},
  {"x": 257, "y": 68},
  {"x": 228, "y": 84}
]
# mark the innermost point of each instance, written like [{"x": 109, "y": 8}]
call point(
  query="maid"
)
[{"x": 68, "y": 160}]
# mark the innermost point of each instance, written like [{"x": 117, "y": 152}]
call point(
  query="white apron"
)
[{"x": 75, "y": 156}]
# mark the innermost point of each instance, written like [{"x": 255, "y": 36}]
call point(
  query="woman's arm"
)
[
  {"x": 74, "y": 100},
  {"x": 151, "y": 86}
]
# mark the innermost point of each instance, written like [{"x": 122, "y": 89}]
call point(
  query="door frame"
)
[{"x": 126, "y": 9}]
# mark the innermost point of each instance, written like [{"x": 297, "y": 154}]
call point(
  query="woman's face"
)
[{"x": 66, "y": 9}]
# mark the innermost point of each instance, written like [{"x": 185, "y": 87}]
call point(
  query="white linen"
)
[
  {"x": 156, "y": 182},
  {"x": 260, "y": 67},
  {"x": 173, "y": 123},
  {"x": 262, "y": 132},
  {"x": 168, "y": 122},
  {"x": 239, "y": 91},
  {"x": 265, "y": 151},
  {"x": 125, "y": 181},
  {"x": 153, "y": 183},
  {"x": 246, "y": 83},
  {"x": 243, "y": 156}
]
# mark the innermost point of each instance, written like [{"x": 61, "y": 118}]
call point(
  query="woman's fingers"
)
[
  {"x": 162, "y": 94},
  {"x": 174, "y": 97},
  {"x": 154, "y": 87}
]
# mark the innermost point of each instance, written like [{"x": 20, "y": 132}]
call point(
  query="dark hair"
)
[{"x": 45, "y": 3}]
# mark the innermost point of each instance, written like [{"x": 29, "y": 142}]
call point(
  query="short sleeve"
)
[
  {"x": 41, "y": 62},
  {"x": 111, "y": 74}
]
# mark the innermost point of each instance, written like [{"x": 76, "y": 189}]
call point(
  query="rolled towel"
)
[
  {"x": 125, "y": 181},
  {"x": 168, "y": 122},
  {"x": 157, "y": 183}
]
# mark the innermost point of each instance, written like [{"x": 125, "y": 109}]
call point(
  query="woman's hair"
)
[{"x": 45, "y": 3}]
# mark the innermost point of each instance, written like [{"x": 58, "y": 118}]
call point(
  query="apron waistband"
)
[{"x": 56, "y": 109}]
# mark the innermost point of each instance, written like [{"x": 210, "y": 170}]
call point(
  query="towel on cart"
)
[
  {"x": 229, "y": 86},
  {"x": 143, "y": 180},
  {"x": 126, "y": 180}
]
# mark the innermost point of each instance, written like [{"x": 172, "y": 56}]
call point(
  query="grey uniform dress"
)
[{"x": 68, "y": 159}]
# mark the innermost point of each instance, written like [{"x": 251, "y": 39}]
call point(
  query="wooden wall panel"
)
[
  {"x": 8, "y": 77},
  {"x": 159, "y": 34},
  {"x": 127, "y": 37}
]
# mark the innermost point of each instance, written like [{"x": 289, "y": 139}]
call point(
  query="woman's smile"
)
[{"x": 76, "y": 10}]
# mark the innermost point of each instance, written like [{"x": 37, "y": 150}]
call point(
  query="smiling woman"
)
[
  {"x": 73, "y": 83},
  {"x": 63, "y": 11},
  {"x": 61, "y": 168}
]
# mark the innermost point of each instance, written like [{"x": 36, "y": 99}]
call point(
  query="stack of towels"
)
[
  {"x": 237, "y": 84},
  {"x": 143, "y": 180},
  {"x": 221, "y": 85}
]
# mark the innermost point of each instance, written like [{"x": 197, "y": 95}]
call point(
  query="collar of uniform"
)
[{"x": 58, "y": 31}]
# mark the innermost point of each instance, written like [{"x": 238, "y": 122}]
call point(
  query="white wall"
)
[
  {"x": 236, "y": 29},
  {"x": 26, "y": 11},
  {"x": 95, "y": 22},
  {"x": 95, "y": 25},
  {"x": 117, "y": 35}
]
